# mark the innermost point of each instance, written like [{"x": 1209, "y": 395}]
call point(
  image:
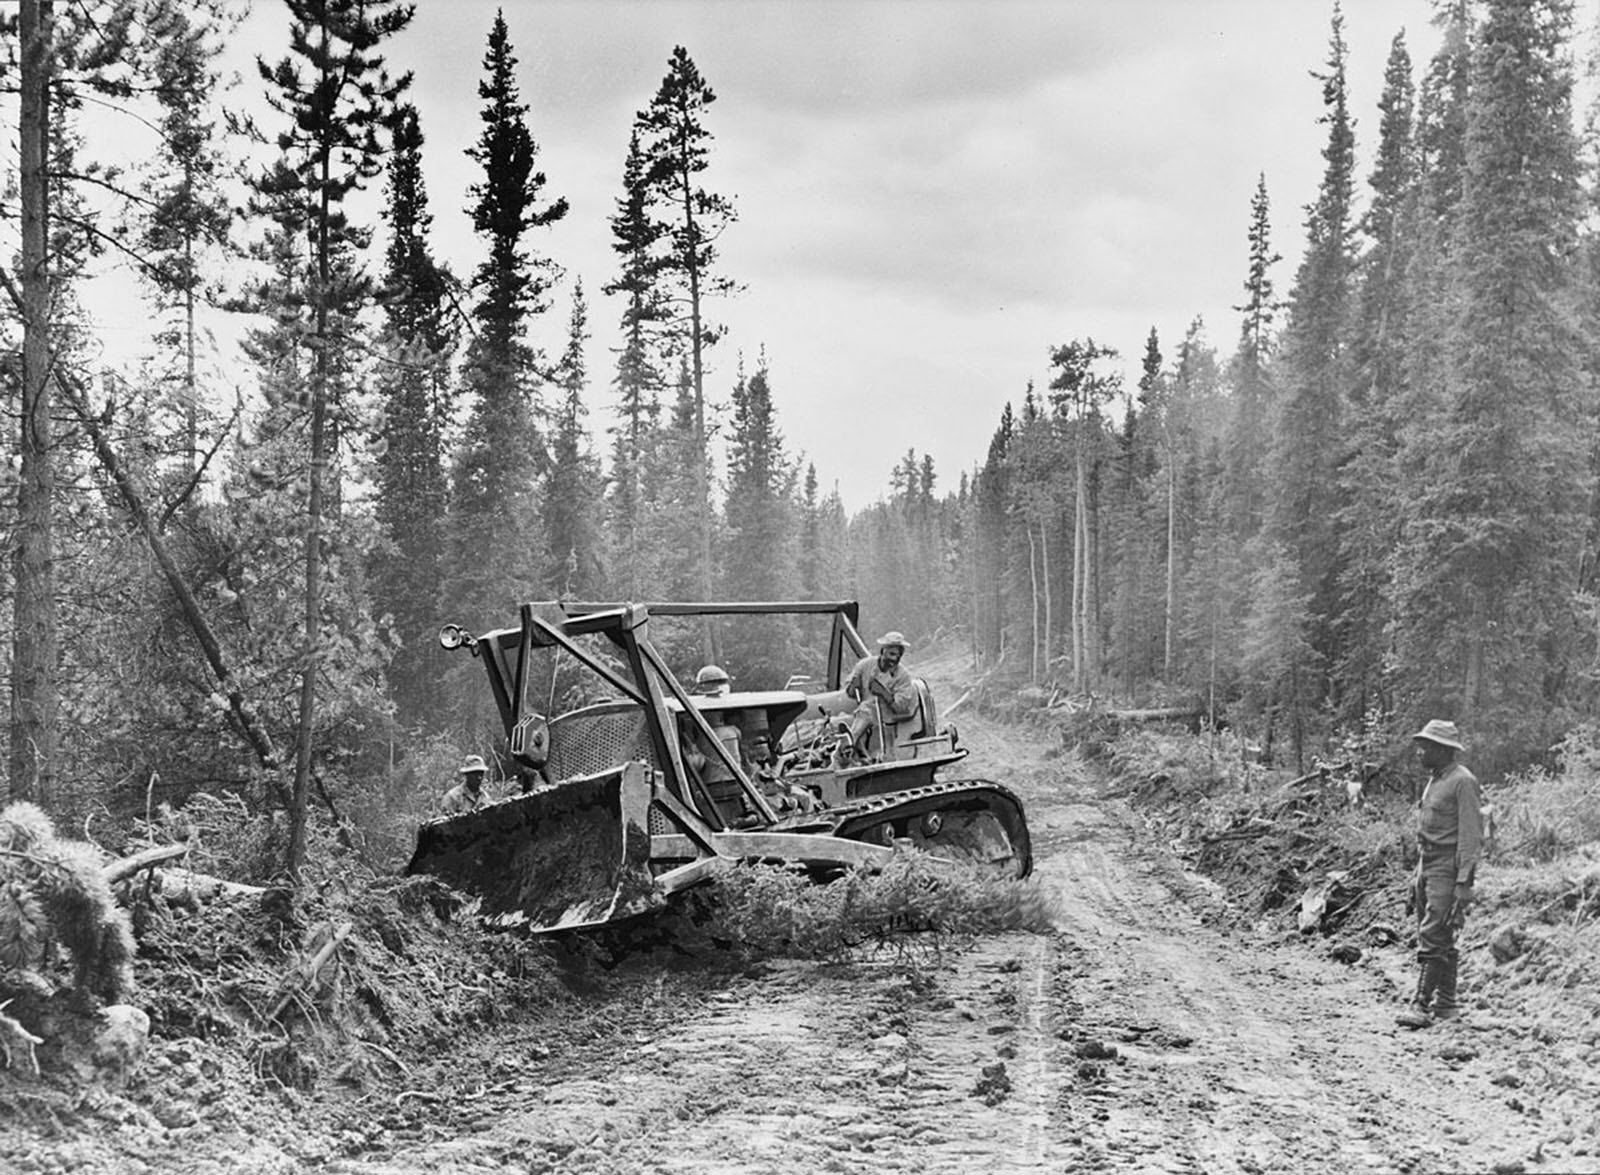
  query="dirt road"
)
[
  {"x": 1141, "y": 1037},
  {"x": 1148, "y": 1033}
]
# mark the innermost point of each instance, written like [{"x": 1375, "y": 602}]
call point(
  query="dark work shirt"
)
[{"x": 1450, "y": 818}]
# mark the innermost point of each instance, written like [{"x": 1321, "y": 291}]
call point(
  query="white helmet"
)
[{"x": 713, "y": 679}]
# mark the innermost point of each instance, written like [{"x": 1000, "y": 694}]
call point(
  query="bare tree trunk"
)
[
  {"x": 191, "y": 404},
  {"x": 1172, "y": 565},
  {"x": 974, "y": 638},
  {"x": 1044, "y": 576},
  {"x": 1092, "y": 652},
  {"x": 243, "y": 713},
  {"x": 306, "y": 721},
  {"x": 1472, "y": 684},
  {"x": 702, "y": 483},
  {"x": 1080, "y": 576},
  {"x": 1033, "y": 585},
  {"x": 33, "y": 655}
]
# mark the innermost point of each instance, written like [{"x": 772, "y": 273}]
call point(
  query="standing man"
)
[
  {"x": 884, "y": 690},
  {"x": 467, "y": 796},
  {"x": 1450, "y": 839}
]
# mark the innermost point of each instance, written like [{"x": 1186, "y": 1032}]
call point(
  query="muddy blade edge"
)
[{"x": 576, "y": 855}]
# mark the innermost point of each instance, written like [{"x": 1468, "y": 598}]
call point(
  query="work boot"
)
[
  {"x": 1417, "y": 1015},
  {"x": 1444, "y": 997}
]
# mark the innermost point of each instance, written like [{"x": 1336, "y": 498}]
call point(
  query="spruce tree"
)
[
  {"x": 638, "y": 379},
  {"x": 1309, "y": 434},
  {"x": 989, "y": 548},
  {"x": 415, "y": 391},
  {"x": 189, "y": 220},
  {"x": 1251, "y": 426},
  {"x": 572, "y": 499},
  {"x": 761, "y": 544},
  {"x": 760, "y": 527},
  {"x": 503, "y": 453},
  {"x": 676, "y": 147},
  {"x": 1080, "y": 390},
  {"x": 1370, "y": 477},
  {"x": 338, "y": 115},
  {"x": 1494, "y": 538}
]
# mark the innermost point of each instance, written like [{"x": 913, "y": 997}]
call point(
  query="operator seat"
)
[{"x": 921, "y": 723}]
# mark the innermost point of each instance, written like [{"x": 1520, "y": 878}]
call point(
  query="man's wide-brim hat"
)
[
  {"x": 893, "y": 638},
  {"x": 472, "y": 764},
  {"x": 1441, "y": 732}
]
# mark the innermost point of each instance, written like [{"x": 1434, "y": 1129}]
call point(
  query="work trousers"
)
[{"x": 1435, "y": 904}]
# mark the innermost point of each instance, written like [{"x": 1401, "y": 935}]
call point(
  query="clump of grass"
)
[
  {"x": 915, "y": 905},
  {"x": 1543, "y": 814},
  {"x": 1153, "y": 762}
]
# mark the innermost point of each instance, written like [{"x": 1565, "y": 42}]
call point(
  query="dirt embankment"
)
[{"x": 1171, "y": 1023}]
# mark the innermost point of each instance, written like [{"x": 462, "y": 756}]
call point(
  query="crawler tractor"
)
[{"x": 635, "y": 789}]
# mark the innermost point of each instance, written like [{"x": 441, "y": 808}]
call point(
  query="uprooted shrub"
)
[
  {"x": 54, "y": 899},
  {"x": 915, "y": 905}
]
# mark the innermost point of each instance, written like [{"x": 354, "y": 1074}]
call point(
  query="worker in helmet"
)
[
  {"x": 883, "y": 689},
  {"x": 712, "y": 682}
]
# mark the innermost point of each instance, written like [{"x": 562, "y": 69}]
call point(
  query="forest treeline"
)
[{"x": 1377, "y": 506}]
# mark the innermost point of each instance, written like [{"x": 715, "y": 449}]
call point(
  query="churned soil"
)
[{"x": 1161, "y": 1027}]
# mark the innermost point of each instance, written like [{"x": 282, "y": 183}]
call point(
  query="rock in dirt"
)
[
  {"x": 995, "y": 1085},
  {"x": 1507, "y": 943},
  {"x": 120, "y": 1044}
]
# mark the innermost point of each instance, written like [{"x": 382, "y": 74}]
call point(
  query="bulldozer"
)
[{"x": 635, "y": 789}]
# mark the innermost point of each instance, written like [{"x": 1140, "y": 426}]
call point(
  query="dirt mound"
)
[{"x": 252, "y": 1001}]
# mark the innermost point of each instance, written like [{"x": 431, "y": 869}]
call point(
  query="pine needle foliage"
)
[{"x": 53, "y": 894}]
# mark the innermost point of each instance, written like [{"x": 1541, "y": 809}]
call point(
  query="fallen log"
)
[
  {"x": 1159, "y": 714},
  {"x": 125, "y": 867},
  {"x": 203, "y": 886}
]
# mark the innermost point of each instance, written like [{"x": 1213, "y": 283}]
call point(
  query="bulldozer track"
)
[{"x": 902, "y": 799}]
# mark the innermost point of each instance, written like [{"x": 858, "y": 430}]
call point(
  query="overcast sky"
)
[{"x": 931, "y": 193}]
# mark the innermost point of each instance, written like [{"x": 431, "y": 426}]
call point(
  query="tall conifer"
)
[
  {"x": 415, "y": 392},
  {"x": 336, "y": 115},
  {"x": 1494, "y": 537},
  {"x": 676, "y": 146},
  {"x": 572, "y": 519},
  {"x": 1370, "y": 479},
  {"x": 1308, "y": 437},
  {"x": 503, "y": 452}
]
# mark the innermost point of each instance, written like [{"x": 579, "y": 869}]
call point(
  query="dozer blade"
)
[{"x": 576, "y": 855}]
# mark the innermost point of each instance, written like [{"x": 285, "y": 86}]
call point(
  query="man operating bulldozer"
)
[{"x": 884, "y": 691}]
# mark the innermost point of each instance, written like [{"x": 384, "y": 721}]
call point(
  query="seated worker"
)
[
  {"x": 884, "y": 690},
  {"x": 712, "y": 682}
]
